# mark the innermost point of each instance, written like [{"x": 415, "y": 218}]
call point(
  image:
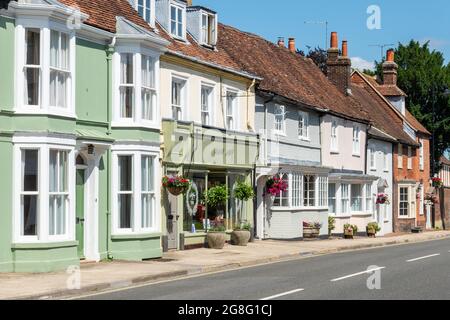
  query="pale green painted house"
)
[{"x": 79, "y": 134}]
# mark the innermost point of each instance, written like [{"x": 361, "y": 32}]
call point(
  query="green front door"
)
[{"x": 80, "y": 212}]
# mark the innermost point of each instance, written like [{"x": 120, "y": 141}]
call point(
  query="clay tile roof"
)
[
  {"x": 416, "y": 124},
  {"x": 286, "y": 74},
  {"x": 390, "y": 91},
  {"x": 381, "y": 114},
  {"x": 103, "y": 13},
  {"x": 445, "y": 161}
]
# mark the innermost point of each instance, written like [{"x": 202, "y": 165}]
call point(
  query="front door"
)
[
  {"x": 80, "y": 212},
  {"x": 172, "y": 223}
]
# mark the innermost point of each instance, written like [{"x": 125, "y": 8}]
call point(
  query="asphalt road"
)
[{"x": 413, "y": 271}]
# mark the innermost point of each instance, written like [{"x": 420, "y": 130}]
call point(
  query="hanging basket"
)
[{"x": 176, "y": 191}]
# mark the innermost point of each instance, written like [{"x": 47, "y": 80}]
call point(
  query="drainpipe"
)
[{"x": 109, "y": 52}]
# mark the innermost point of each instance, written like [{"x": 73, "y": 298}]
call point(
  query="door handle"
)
[{"x": 80, "y": 220}]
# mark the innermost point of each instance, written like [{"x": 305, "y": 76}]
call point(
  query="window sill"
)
[
  {"x": 281, "y": 209},
  {"x": 304, "y": 139},
  {"x": 406, "y": 218},
  {"x": 361, "y": 214},
  {"x": 132, "y": 124},
  {"x": 373, "y": 169},
  {"x": 280, "y": 133},
  {"x": 356, "y": 155},
  {"x": 44, "y": 245},
  {"x": 334, "y": 152},
  {"x": 136, "y": 236},
  {"x": 44, "y": 112}
]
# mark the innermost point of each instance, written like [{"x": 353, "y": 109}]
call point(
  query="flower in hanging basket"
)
[
  {"x": 437, "y": 182},
  {"x": 275, "y": 186},
  {"x": 176, "y": 185},
  {"x": 383, "y": 198}
]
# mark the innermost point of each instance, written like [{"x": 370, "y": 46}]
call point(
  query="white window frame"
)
[
  {"x": 178, "y": 9},
  {"x": 368, "y": 198},
  {"x": 45, "y": 27},
  {"x": 345, "y": 196},
  {"x": 360, "y": 197},
  {"x": 356, "y": 141},
  {"x": 334, "y": 143},
  {"x": 149, "y": 19},
  {"x": 183, "y": 107},
  {"x": 303, "y": 126},
  {"x": 235, "y": 106},
  {"x": 410, "y": 160},
  {"x": 210, "y": 101},
  {"x": 373, "y": 159},
  {"x": 211, "y": 35},
  {"x": 411, "y": 201},
  {"x": 400, "y": 156},
  {"x": 136, "y": 151},
  {"x": 385, "y": 161},
  {"x": 279, "y": 127},
  {"x": 333, "y": 197},
  {"x": 137, "y": 119},
  {"x": 43, "y": 145}
]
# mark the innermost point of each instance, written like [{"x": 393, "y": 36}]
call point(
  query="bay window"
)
[
  {"x": 44, "y": 193},
  {"x": 136, "y": 88},
  {"x": 323, "y": 191},
  {"x": 368, "y": 197},
  {"x": 45, "y": 63},
  {"x": 332, "y": 198},
  {"x": 309, "y": 190},
  {"x": 296, "y": 188},
  {"x": 134, "y": 181},
  {"x": 282, "y": 200}
]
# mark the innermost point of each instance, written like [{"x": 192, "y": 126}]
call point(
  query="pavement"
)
[{"x": 106, "y": 276}]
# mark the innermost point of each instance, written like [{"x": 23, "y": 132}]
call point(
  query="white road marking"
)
[
  {"x": 282, "y": 294},
  {"x": 357, "y": 274},
  {"x": 426, "y": 257}
]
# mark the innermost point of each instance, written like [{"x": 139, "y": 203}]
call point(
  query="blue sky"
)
[{"x": 401, "y": 21}]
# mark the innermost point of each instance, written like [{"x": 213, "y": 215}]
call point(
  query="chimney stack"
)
[
  {"x": 188, "y": 3},
  {"x": 291, "y": 45},
  {"x": 339, "y": 67},
  {"x": 390, "y": 69},
  {"x": 281, "y": 42}
]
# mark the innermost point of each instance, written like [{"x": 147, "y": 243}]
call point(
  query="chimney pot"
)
[
  {"x": 334, "y": 40},
  {"x": 189, "y": 3},
  {"x": 281, "y": 42},
  {"x": 292, "y": 47},
  {"x": 345, "y": 49},
  {"x": 390, "y": 55}
]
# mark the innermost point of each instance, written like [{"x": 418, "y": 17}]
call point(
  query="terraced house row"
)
[{"x": 101, "y": 99}]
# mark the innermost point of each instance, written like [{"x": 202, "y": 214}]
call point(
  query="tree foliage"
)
[
  {"x": 425, "y": 78},
  {"x": 319, "y": 56}
]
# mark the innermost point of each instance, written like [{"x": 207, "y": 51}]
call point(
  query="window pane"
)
[
  {"x": 125, "y": 211},
  {"x": 30, "y": 170},
  {"x": 126, "y": 68},
  {"x": 32, "y": 86},
  {"x": 356, "y": 197},
  {"x": 32, "y": 40},
  {"x": 147, "y": 210},
  {"x": 57, "y": 218},
  {"x": 54, "y": 49},
  {"x": 126, "y": 102},
  {"x": 148, "y": 77},
  {"x": 125, "y": 173},
  {"x": 148, "y": 100},
  {"x": 332, "y": 198},
  {"x": 62, "y": 90},
  {"x": 53, "y": 87},
  {"x": 29, "y": 215},
  {"x": 64, "y": 63},
  {"x": 147, "y": 173}
]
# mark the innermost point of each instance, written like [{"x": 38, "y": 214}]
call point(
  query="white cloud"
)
[
  {"x": 435, "y": 43},
  {"x": 361, "y": 64}
]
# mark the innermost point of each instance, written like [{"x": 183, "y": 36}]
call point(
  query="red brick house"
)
[{"x": 411, "y": 165}]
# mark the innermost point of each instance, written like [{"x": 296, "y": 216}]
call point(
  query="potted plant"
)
[
  {"x": 331, "y": 224},
  {"x": 176, "y": 185},
  {"x": 383, "y": 198},
  {"x": 241, "y": 235},
  {"x": 311, "y": 230},
  {"x": 349, "y": 232},
  {"x": 372, "y": 229},
  {"x": 216, "y": 235},
  {"x": 437, "y": 182},
  {"x": 275, "y": 186},
  {"x": 243, "y": 191},
  {"x": 216, "y": 196}
]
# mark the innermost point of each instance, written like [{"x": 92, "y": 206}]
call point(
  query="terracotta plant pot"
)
[
  {"x": 176, "y": 191},
  {"x": 240, "y": 237},
  {"x": 310, "y": 233},
  {"x": 371, "y": 233},
  {"x": 348, "y": 234},
  {"x": 216, "y": 240}
]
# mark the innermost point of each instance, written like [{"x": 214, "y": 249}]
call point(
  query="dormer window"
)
[
  {"x": 146, "y": 10},
  {"x": 208, "y": 29},
  {"x": 176, "y": 21}
]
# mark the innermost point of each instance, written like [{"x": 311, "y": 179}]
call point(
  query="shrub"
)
[
  {"x": 216, "y": 196},
  {"x": 243, "y": 191}
]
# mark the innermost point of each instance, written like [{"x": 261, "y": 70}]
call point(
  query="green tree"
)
[
  {"x": 425, "y": 78},
  {"x": 318, "y": 55}
]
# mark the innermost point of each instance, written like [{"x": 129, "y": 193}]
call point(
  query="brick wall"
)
[{"x": 442, "y": 210}]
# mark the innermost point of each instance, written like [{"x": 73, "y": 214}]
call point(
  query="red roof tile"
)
[
  {"x": 286, "y": 74},
  {"x": 103, "y": 13}
]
